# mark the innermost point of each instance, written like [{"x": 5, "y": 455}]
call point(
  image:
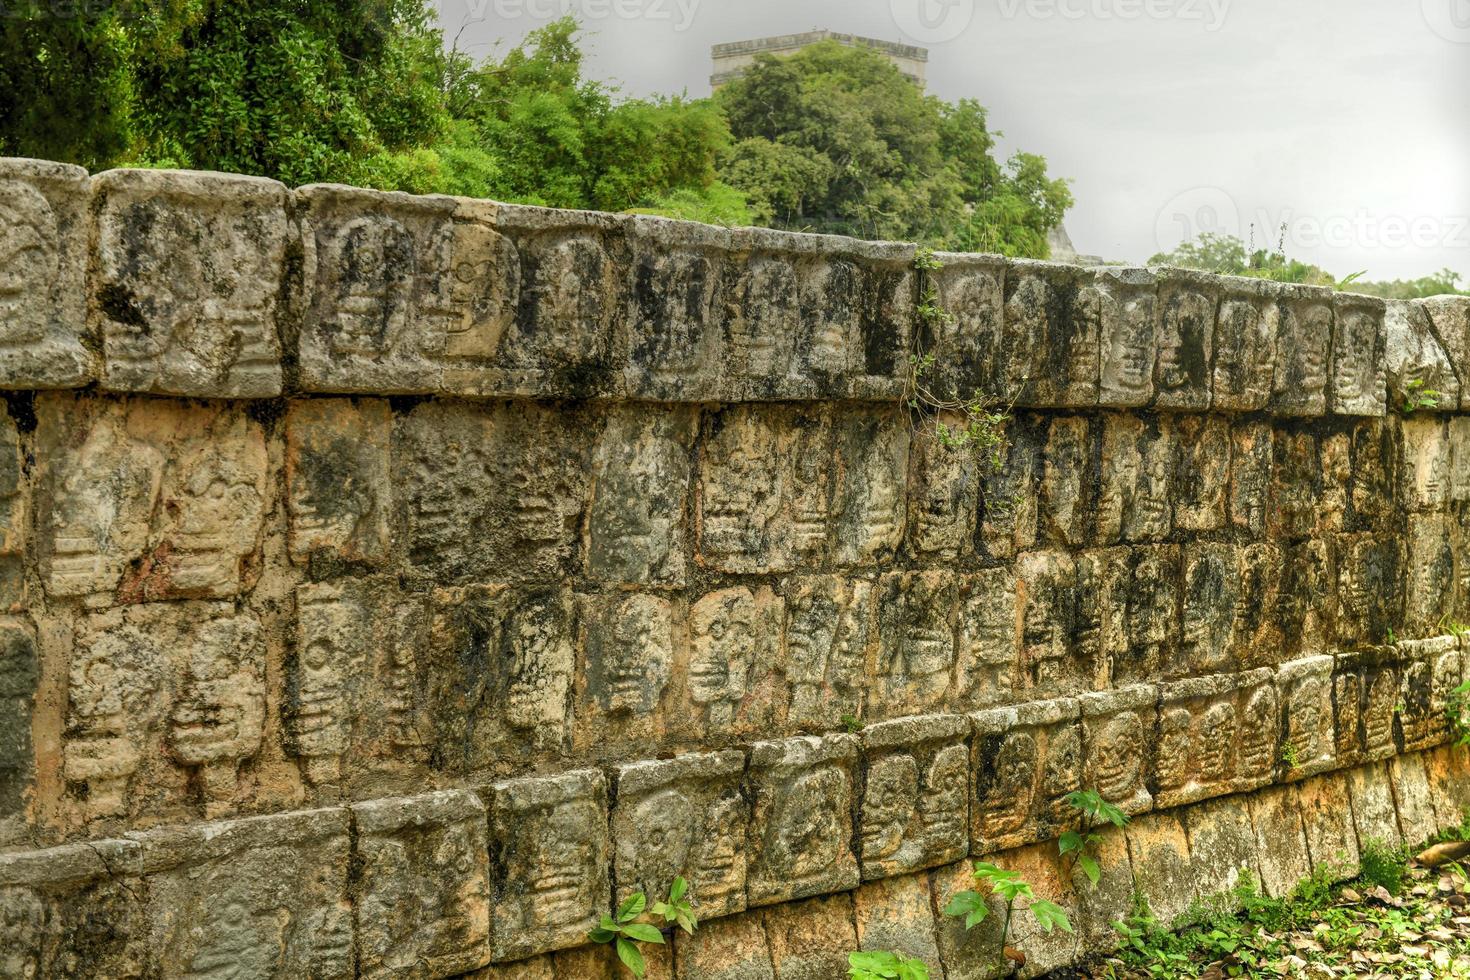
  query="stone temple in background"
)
[{"x": 732, "y": 59}]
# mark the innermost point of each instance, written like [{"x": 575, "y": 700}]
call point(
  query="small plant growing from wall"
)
[
  {"x": 625, "y": 932},
  {"x": 1417, "y": 397},
  {"x": 1081, "y": 845},
  {"x": 884, "y": 965}
]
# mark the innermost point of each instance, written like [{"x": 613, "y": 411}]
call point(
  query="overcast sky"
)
[{"x": 1347, "y": 119}]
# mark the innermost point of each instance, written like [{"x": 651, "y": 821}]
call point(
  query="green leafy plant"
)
[
  {"x": 1081, "y": 845},
  {"x": 1457, "y": 710},
  {"x": 626, "y": 933},
  {"x": 1382, "y": 865},
  {"x": 677, "y": 911},
  {"x": 884, "y": 965},
  {"x": 1417, "y": 397},
  {"x": 972, "y": 906},
  {"x": 1288, "y": 755},
  {"x": 852, "y": 724}
]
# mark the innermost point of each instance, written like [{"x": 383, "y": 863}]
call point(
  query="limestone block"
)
[
  {"x": 1415, "y": 361},
  {"x": 1429, "y": 672},
  {"x": 1046, "y": 596},
  {"x": 1281, "y": 843},
  {"x": 637, "y": 520},
  {"x": 897, "y": 914},
  {"x": 1201, "y": 474},
  {"x": 549, "y": 863},
  {"x": 1308, "y": 741},
  {"x": 1008, "y": 507},
  {"x": 1067, "y": 482},
  {"x": 338, "y": 480},
  {"x": 19, "y": 672},
  {"x": 762, "y": 320},
  {"x": 501, "y": 666},
  {"x": 801, "y": 824},
  {"x": 828, "y": 635},
  {"x": 763, "y": 491},
  {"x": 730, "y": 684},
  {"x": 1025, "y": 760},
  {"x": 1212, "y": 607},
  {"x": 914, "y": 670},
  {"x": 944, "y": 493},
  {"x": 1459, "y": 481},
  {"x": 870, "y": 492},
  {"x": 857, "y": 314},
  {"x": 1365, "y": 693},
  {"x": 423, "y": 895},
  {"x": 1427, "y": 462},
  {"x": 673, "y": 349},
  {"x": 535, "y": 457},
  {"x": 1358, "y": 377},
  {"x": 621, "y": 683},
  {"x": 73, "y": 911},
  {"x": 149, "y": 499},
  {"x": 263, "y": 896},
  {"x": 1134, "y": 503},
  {"x": 725, "y": 949},
  {"x": 1116, "y": 728},
  {"x": 1327, "y": 818},
  {"x": 1187, "y": 305},
  {"x": 1245, "y": 344},
  {"x": 1373, "y": 496},
  {"x": 188, "y": 280},
  {"x": 682, "y": 817},
  {"x": 163, "y": 703},
  {"x": 1370, "y": 586},
  {"x": 1450, "y": 317},
  {"x": 591, "y": 962},
  {"x": 1053, "y": 334},
  {"x": 1337, "y": 477},
  {"x": 1251, "y": 452},
  {"x": 914, "y": 812},
  {"x": 1430, "y": 585},
  {"x": 969, "y": 348},
  {"x": 1259, "y": 637},
  {"x": 810, "y": 940},
  {"x": 43, "y": 248},
  {"x": 1222, "y": 847},
  {"x": 1152, "y": 615},
  {"x": 1045, "y": 951},
  {"x": 1449, "y": 789},
  {"x": 1412, "y": 798},
  {"x": 356, "y": 708},
  {"x": 987, "y": 638},
  {"x": 1125, "y": 303},
  {"x": 973, "y": 954},
  {"x": 1216, "y": 735},
  {"x": 1296, "y": 475},
  {"x": 537, "y": 968},
  {"x": 1374, "y": 815},
  {"x": 1104, "y": 581},
  {"x": 1307, "y": 599},
  {"x": 1303, "y": 344},
  {"x": 1102, "y": 904}
]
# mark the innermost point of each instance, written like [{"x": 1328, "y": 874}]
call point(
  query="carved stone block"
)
[
  {"x": 1306, "y": 601},
  {"x": 1415, "y": 362},
  {"x": 1026, "y": 760},
  {"x": 1304, "y": 341},
  {"x": 1008, "y": 508},
  {"x": 1067, "y": 482},
  {"x": 1201, "y": 474},
  {"x": 1281, "y": 841},
  {"x": 1186, "y": 309},
  {"x": 674, "y": 346},
  {"x": 1426, "y": 465},
  {"x": 1373, "y": 492},
  {"x": 1370, "y": 587},
  {"x": 1053, "y": 334},
  {"x": 683, "y": 817},
  {"x": 1308, "y": 739},
  {"x": 828, "y": 633},
  {"x": 1116, "y": 726},
  {"x": 736, "y": 948},
  {"x": 1245, "y": 344},
  {"x": 987, "y": 638},
  {"x": 915, "y": 809},
  {"x": 1125, "y": 301},
  {"x": 1104, "y": 581},
  {"x": 1373, "y": 806},
  {"x": 1251, "y": 450},
  {"x": 1222, "y": 846},
  {"x": 1046, "y": 592},
  {"x": 535, "y": 457},
  {"x": 501, "y": 665},
  {"x": 338, "y": 478},
  {"x": 1459, "y": 482},
  {"x": 762, "y": 317},
  {"x": 1337, "y": 479},
  {"x": 1296, "y": 479},
  {"x": 1365, "y": 692},
  {"x": 356, "y": 710},
  {"x": 1152, "y": 610},
  {"x": 627, "y": 671},
  {"x": 856, "y": 316},
  {"x": 915, "y": 666},
  {"x": 944, "y": 490},
  {"x": 730, "y": 682},
  {"x": 1216, "y": 735},
  {"x": 811, "y": 939},
  {"x": 423, "y": 892},
  {"x": 43, "y": 249},
  {"x": 1258, "y": 626},
  {"x": 259, "y": 896},
  {"x": 870, "y": 495},
  {"x": 19, "y": 672},
  {"x": 1327, "y": 818},
  {"x": 1358, "y": 380},
  {"x": 74, "y": 911},
  {"x": 1450, "y": 316},
  {"x": 637, "y": 520},
  {"x": 968, "y": 359},
  {"x": 1429, "y": 672},
  {"x": 549, "y": 864},
  {"x": 189, "y": 678},
  {"x": 1137, "y": 473},
  {"x": 1430, "y": 586},
  {"x": 188, "y": 281},
  {"x": 1212, "y": 602},
  {"x": 1412, "y": 797},
  {"x": 801, "y": 824}
]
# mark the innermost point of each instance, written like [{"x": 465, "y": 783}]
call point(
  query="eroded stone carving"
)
[
  {"x": 1212, "y": 600},
  {"x": 801, "y": 823},
  {"x": 1152, "y": 614},
  {"x": 828, "y": 630},
  {"x": 629, "y": 664},
  {"x": 1245, "y": 346},
  {"x": 1429, "y": 671},
  {"x": 19, "y": 671},
  {"x": 1067, "y": 481},
  {"x": 1115, "y": 727},
  {"x": 914, "y": 812},
  {"x": 1129, "y": 342},
  {"x": 1046, "y": 587},
  {"x": 916, "y": 652},
  {"x": 1216, "y": 735},
  {"x": 943, "y": 496},
  {"x": 968, "y": 349},
  {"x": 870, "y": 494},
  {"x": 1305, "y": 338},
  {"x": 1413, "y": 358},
  {"x": 1357, "y": 355},
  {"x": 337, "y": 474},
  {"x": 635, "y": 526},
  {"x": 1137, "y": 471},
  {"x": 1026, "y": 760},
  {"x": 1450, "y": 316},
  {"x": 675, "y": 341},
  {"x": 1187, "y": 306},
  {"x": 761, "y": 321},
  {"x": 987, "y": 638},
  {"x": 1308, "y": 740},
  {"x": 1201, "y": 474}
]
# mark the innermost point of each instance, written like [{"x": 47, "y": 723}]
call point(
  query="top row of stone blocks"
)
[{"x": 223, "y": 286}]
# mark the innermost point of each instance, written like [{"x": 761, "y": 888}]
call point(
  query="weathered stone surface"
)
[
  {"x": 1431, "y": 581},
  {"x": 1046, "y": 597},
  {"x": 1026, "y": 760},
  {"x": 1365, "y": 703},
  {"x": 1374, "y": 814},
  {"x": 1008, "y": 508},
  {"x": 1415, "y": 362},
  {"x": 682, "y": 817},
  {"x": 1370, "y": 586},
  {"x": 673, "y": 347},
  {"x": 1068, "y": 482},
  {"x": 1429, "y": 671},
  {"x": 914, "y": 812},
  {"x": 915, "y": 668},
  {"x": 943, "y": 497},
  {"x": 1245, "y": 344},
  {"x": 1214, "y": 636},
  {"x": 897, "y": 914},
  {"x": 1446, "y": 768},
  {"x": 1327, "y": 818},
  {"x": 1137, "y": 472},
  {"x": 19, "y": 673},
  {"x": 149, "y": 499},
  {"x": 1281, "y": 844},
  {"x": 869, "y": 501},
  {"x": 549, "y": 863},
  {"x": 637, "y": 520},
  {"x": 725, "y": 949},
  {"x": 1053, "y": 335},
  {"x": 973, "y": 954},
  {"x": 1412, "y": 798},
  {"x": 801, "y": 823},
  {"x": 1426, "y": 463},
  {"x": 338, "y": 478},
  {"x": 827, "y": 634},
  {"x": 1308, "y": 742},
  {"x": 1450, "y": 317},
  {"x": 623, "y": 682},
  {"x": 968, "y": 350},
  {"x": 186, "y": 292},
  {"x": 1045, "y": 951},
  {"x": 1222, "y": 847},
  {"x": 1186, "y": 309},
  {"x": 1216, "y": 735},
  {"x": 1358, "y": 379},
  {"x": 1115, "y": 725},
  {"x": 1159, "y": 849},
  {"x": 1125, "y": 301},
  {"x": 423, "y": 889},
  {"x": 1303, "y": 344},
  {"x": 730, "y": 682},
  {"x": 987, "y": 638},
  {"x": 261, "y": 895},
  {"x": 810, "y": 939},
  {"x": 43, "y": 249}
]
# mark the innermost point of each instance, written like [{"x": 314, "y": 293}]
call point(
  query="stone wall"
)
[{"x": 391, "y": 583}]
